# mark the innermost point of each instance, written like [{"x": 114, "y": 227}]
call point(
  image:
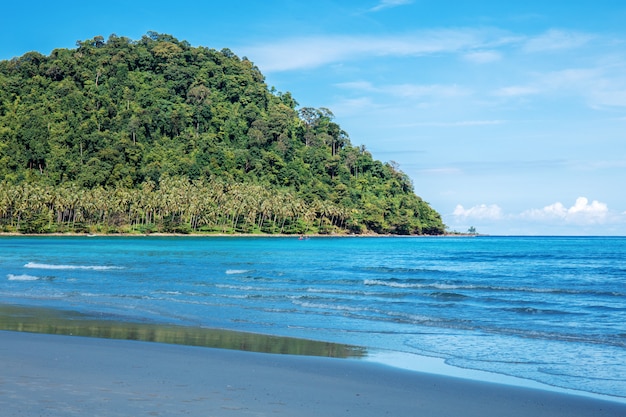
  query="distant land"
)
[{"x": 156, "y": 136}]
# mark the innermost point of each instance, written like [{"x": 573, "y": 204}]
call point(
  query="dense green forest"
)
[{"x": 155, "y": 135}]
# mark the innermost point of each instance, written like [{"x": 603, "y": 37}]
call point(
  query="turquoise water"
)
[{"x": 548, "y": 309}]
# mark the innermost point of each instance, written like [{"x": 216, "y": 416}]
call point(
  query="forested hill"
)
[{"x": 155, "y": 135}]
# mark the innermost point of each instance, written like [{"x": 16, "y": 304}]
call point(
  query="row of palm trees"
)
[{"x": 173, "y": 205}]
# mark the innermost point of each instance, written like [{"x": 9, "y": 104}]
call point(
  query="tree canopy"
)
[{"x": 119, "y": 135}]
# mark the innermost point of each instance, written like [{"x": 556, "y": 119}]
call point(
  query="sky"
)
[{"x": 508, "y": 116}]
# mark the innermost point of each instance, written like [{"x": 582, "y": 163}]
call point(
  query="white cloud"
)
[
  {"x": 481, "y": 212},
  {"x": 597, "y": 86},
  {"x": 482, "y": 57},
  {"x": 314, "y": 51},
  {"x": 593, "y": 165},
  {"x": 361, "y": 85},
  {"x": 572, "y": 81},
  {"x": 435, "y": 90},
  {"x": 582, "y": 212},
  {"x": 609, "y": 97},
  {"x": 516, "y": 91},
  {"x": 407, "y": 90},
  {"x": 555, "y": 39},
  {"x": 583, "y": 217},
  {"x": 386, "y": 4},
  {"x": 353, "y": 106},
  {"x": 585, "y": 79}
]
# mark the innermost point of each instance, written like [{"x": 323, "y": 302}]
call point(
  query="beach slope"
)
[{"x": 75, "y": 376}]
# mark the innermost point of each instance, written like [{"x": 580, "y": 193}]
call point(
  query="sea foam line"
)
[
  {"x": 22, "y": 277},
  {"x": 237, "y": 271},
  {"x": 441, "y": 286},
  {"x": 34, "y": 265}
]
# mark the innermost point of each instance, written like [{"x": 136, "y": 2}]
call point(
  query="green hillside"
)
[{"x": 155, "y": 135}]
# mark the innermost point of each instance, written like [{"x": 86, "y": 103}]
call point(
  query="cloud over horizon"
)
[
  {"x": 582, "y": 212},
  {"x": 480, "y": 212}
]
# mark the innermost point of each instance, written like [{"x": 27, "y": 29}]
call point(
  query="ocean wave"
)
[
  {"x": 448, "y": 295},
  {"x": 401, "y": 270},
  {"x": 240, "y": 287},
  {"x": 351, "y": 293},
  {"x": 532, "y": 310},
  {"x": 23, "y": 277},
  {"x": 566, "y": 371},
  {"x": 411, "y": 318},
  {"x": 35, "y": 265},
  {"x": 394, "y": 283},
  {"x": 169, "y": 292},
  {"x": 494, "y": 288},
  {"x": 327, "y": 307},
  {"x": 547, "y": 335},
  {"x": 418, "y": 285},
  {"x": 237, "y": 271}
]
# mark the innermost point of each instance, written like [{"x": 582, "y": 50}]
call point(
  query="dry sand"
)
[{"x": 49, "y": 375}]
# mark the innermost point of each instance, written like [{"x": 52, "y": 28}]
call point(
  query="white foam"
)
[
  {"x": 392, "y": 284},
  {"x": 237, "y": 271},
  {"x": 22, "y": 277},
  {"x": 324, "y": 306},
  {"x": 34, "y": 265},
  {"x": 239, "y": 287}
]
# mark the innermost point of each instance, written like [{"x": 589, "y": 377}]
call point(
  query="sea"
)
[{"x": 545, "y": 310}]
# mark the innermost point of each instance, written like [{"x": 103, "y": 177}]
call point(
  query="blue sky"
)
[{"x": 508, "y": 116}]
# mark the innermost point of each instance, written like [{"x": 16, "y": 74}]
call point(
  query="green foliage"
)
[{"x": 156, "y": 135}]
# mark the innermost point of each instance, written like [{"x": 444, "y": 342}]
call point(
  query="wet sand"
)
[{"x": 52, "y": 375}]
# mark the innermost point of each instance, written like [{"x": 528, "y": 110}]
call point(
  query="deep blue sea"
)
[{"x": 547, "y": 309}]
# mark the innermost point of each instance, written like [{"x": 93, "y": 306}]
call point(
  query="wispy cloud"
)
[
  {"x": 516, "y": 91},
  {"x": 482, "y": 57},
  {"x": 597, "y": 86},
  {"x": 314, "y": 51},
  {"x": 358, "y": 85},
  {"x": 354, "y": 106},
  {"x": 407, "y": 90},
  {"x": 572, "y": 78},
  {"x": 554, "y": 39},
  {"x": 434, "y": 90},
  {"x": 608, "y": 97},
  {"x": 387, "y": 4},
  {"x": 479, "y": 46},
  {"x": 603, "y": 164}
]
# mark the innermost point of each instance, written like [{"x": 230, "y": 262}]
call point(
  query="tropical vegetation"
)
[{"x": 155, "y": 135}]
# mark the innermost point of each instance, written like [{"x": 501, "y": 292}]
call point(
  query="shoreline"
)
[
  {"x": 50, "y": 321},
  {"x": 438, "y": 366},
  {"x": 71, "y": 375}
]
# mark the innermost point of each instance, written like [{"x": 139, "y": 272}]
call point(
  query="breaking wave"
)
[
  {"x": 35, "y": 265},
  {"x": 23, "y": 277},
  {"x": 237, "y": 271}
]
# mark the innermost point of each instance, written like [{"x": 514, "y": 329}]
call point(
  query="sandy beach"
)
[{"x": 52, "y": 375}]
